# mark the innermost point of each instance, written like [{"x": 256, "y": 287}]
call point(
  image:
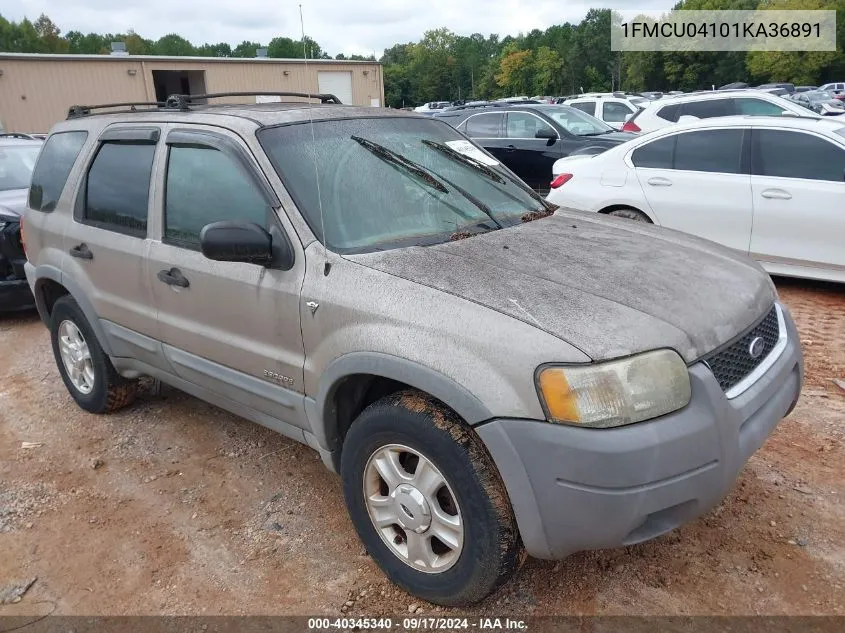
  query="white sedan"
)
[{"x": 770, "y": 187}]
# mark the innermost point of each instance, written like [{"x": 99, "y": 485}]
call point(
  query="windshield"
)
[
  {"x": 16, "y": 165},
  {"x": 819, "y": 95},
  {"x": 576, "y": 121},
  {"x": 388, "y": 182}
]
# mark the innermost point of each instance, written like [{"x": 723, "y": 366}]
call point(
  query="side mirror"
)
[
  {"x": 236, "y": 242},
  {"x": 545, "y": 132},
  {"x": 788, "y": 113}
]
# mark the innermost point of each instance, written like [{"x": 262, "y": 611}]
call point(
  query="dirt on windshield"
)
[{"x": 175, "y": 507}]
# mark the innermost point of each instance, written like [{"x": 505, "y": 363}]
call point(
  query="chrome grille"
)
[{"x": 734, "y": 362}]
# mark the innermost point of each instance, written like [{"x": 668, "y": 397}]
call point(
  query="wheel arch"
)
[
  {"x": 355, "y": 380},
  {"x": 616, "y": 207},
  {"x": 50, "y": 285}
]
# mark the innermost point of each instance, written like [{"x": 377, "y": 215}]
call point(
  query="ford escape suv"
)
[{"x": 487, "y": 373}]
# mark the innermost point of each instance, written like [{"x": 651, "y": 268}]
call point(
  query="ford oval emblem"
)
[{"x": 755, "y": 349}]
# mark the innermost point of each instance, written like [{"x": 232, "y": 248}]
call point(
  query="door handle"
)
[
  {"x": 81, "y": 251},
  {"x": 776, "y": 194},
  {"x": 173, "y": 277},
  {"x": 510, "y": 148},
  {"x": 660, "y": 182}
]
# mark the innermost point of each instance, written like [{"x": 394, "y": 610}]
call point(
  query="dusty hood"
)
[
  {"x": 13, "y": 202},
  {"x": 609, "y": 287}
]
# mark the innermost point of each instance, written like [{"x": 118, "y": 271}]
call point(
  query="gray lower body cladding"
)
[{"x": 578, "y": 489}]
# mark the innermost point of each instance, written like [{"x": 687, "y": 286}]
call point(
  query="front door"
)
[
  {"x": 232, "y": 328},
  {"x": 798, "y": 189},
  {"x": 532, "y": 157}
]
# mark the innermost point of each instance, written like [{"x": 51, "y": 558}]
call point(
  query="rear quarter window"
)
[
  {"x": 53, "y": 168},
  {"x": 669, "y": 112}
]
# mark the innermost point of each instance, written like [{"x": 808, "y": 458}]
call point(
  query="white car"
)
[
  {"x": 706, "y": 105},
  {"x": 836, "y": 87},
  {"x": 432, "y": 106},
  {"x": 770, "y": 187},
  {"x": 612, "y": 110}
]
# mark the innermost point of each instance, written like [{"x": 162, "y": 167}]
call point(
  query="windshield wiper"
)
[
  {"x": 465, "y": 160},
  {"x": 492, "y": 173},
  {"x": 421, "y": 172},
  {"x": 597, "y": 133},
  {"x": 410, "y": 166}
]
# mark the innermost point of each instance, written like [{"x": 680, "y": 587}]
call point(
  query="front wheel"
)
[{"x": 427, "y": 501}]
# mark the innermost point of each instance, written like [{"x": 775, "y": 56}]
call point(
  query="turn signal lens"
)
[{"x": 615, "y": 393}]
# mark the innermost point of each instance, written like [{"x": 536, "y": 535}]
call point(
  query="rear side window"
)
[
  {"x": 709, "y": 150},
  {"x": 658, "y": 154},
  {"x": 587, "y": 106},
  {"x": 205, "y": 185},
  {"x": 796, "y": 155},
  {"x": 669, "y": 112},
  {"x": 758, "y": 107},
  {"x": 485, "y": 125},
  {"x": 53, "y": 168},
  {"x": 118, "y": 187},
  {"x": 707, "y": 109}
]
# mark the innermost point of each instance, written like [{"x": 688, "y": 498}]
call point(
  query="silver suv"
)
[{"x": 485, "y": 372}]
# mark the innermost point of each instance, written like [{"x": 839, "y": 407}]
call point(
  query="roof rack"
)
[
  {"x": 76, "y": 111},
  {"x": 183, "y": 102},
  {"x": 19, "y": 135}
]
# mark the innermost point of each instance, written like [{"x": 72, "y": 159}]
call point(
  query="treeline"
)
[
  {"x": 563, "y": 59},
  {"x": 43, "y": 36},
  {"x": 567, "y": 58}
]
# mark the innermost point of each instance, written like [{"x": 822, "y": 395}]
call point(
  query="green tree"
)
[
  {"x": 548, "y": 71},
  {"x": 515, "y": 70},
  {"x": 245, "y": 49},
  {"x": 173, "y": 45}
]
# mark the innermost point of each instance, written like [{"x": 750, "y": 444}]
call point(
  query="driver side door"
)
[{"x": 532, "y": 157}]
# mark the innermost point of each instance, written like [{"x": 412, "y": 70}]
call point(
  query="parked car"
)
[
  {"x": 820, "y": 102},
  {"x": 432, "y": 107},
  {"x": 771, "y": 187},
  {"x": 612, "y": 110},
  {"x": 836, "y": 88},
  {"x": 17, "y": 159},
  {"x": 529, "y": 138},
  {"x": 805, "y": 88},
  {"x": 370, "y": 283},
  {"x": 787, "y": 87},
  {"x": 705, "y": 105}
]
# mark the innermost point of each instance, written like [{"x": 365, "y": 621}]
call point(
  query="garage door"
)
[{"x": 337, "y": 83}]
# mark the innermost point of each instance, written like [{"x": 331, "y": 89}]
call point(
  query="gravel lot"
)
[{"x": 175, "y": 507}]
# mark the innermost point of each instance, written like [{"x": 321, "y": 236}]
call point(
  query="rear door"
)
[
  {"x": 107, "y": 243},
  {"x": 588, "y": 106},
  {"x": 798, "y": 189},
  {"x": 230, "y": 327},
  {"x": 697, "y": 182},
  {"x": 488, "y": 130},
  {"x": 531, "y": 158}
]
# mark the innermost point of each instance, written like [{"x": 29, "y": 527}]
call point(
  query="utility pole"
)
[{"x": 472, "y": 79}]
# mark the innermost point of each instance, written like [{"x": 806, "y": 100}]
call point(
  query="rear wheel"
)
[
  {"x": 630, "y": 214},
  {"x": 427, "y": 500},
  {"x": 85, "y": 368}
]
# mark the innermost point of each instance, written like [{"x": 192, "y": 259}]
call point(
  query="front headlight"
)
[{"x": 615, "y": 393}]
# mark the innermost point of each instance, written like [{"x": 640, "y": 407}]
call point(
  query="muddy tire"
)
[
  {"x": 446, "y": 531},
  {"x": 630, "y": 214},
  {"x": 85, "y": 368}
]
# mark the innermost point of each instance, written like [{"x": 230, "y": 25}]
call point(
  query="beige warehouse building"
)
[{"x": 37, "y": 90}]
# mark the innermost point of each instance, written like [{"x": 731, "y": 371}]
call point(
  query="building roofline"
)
[{"x": 176, "y": 58}]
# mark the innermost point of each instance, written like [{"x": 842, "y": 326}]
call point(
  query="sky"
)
[{"x": 339, "y": 26}]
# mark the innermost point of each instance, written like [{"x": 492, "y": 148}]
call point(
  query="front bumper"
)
[{"x": 578, "y": 489}]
